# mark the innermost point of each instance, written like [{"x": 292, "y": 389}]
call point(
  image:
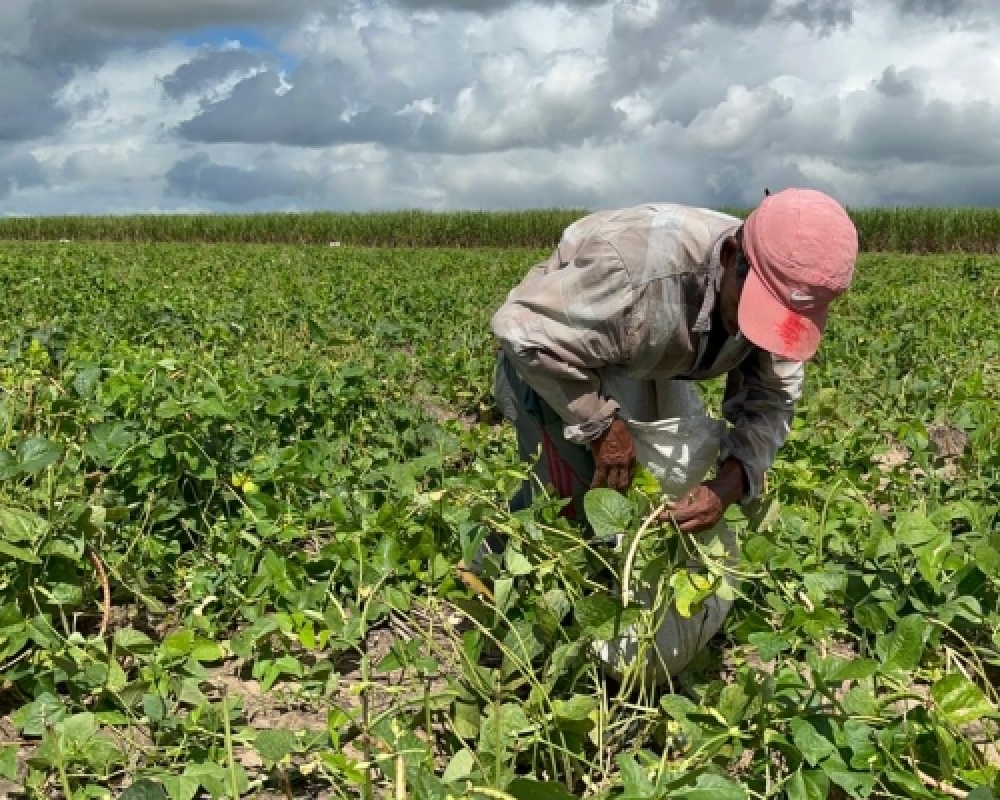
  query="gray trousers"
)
[{"x": 566, "y": 467}]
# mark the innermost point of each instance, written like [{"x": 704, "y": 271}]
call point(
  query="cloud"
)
[
  {"x": 183, "y": 15},
  {"x": 114, "y": 105},
  {"x": 511, "y": 102},
  {"x": 947, "y": 8},
  {"x": 210, "y": 68},
  {"x": 199, "y": 177},
  {"x": 19, "y": 171},
  {"x": 39, "y": 52},
  {"x": 738, "y": 119},
  {"x": 900, "y": 123}
]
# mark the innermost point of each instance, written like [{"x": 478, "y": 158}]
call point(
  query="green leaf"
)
[
  {"x": 133, "y": 642},
  {"x": 107, "y": 442},
  {"x": 820, "y": 585},
  {"x": 608, "y": 511},
  {"x": 813, "y": 745},
  {"x": 158, "y": 448},
  {"x": 601, "y": 616},
  {"x": 78, "y": 729},
  {"x": 931, "y": 557},
  {"x": 578, "y": 707},
  {"x": 553, "y": 606},
  {"x": 981, "y": 793},
  {"x": 903, "y": 647},
  {"x": 636, "y": 781},
  {"x": 872, "y": 617},
  {"x": 153, "y": 707},
  {"x": 574, "y": 714},
  {"x": 460, "y": 767},
  {"x": 860, "y": 701},
  {"x": 644, "y": 482},
  {"x": 18, "y": 525},
  {"x": 46, "y": 709},
  {"x": 18, "y": 553},
  {"x": 178, "y": 644},
  {"x": 770, "y": 645},
  {"x": 837, "y": 670},
  {"x": 181, "y": 787},
  {"x": 713, "y": 787},
  {"x": 859, "y": 739},
  {"x": 427, "y": 786},
  {"x": 467, "y": 720},
  {"x": 510, "y": 721},
  {"x": 516, "y": 563},
  {"x": 144, "y": 790},
  {"x": 808, "y": 785},
  {"x": 732, "y": 703},
  {"x": 913, "y": 528},
  {"x": 85, "y": 382},
  {"x": 960, "y": 701},
  {"x": 691, "y": 590},
  {"x": 856, "y": 784},
  {"x": 211, "y": 776},
  {"x": 206, "y": 651},
  {"x": 528, "y": 789},
  {"x": 37, "y": 454},
  {"x": 274, "y": 744},
  {"x": 8, "y": 761}
]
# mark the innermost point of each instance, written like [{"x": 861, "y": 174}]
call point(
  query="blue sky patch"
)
[{"x": 249, "y": 38}]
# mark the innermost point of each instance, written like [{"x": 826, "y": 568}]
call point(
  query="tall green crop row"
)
[
  {"x": 396, "y": 229},
  {"x": 901, "y": 230}
]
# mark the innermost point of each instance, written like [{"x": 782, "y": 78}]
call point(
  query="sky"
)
[{"x": 122, "y": 106}]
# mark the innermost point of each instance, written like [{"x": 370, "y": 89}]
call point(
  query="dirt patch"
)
[
  {"x": 895, "y": 456},
  {"x": 948, "y": 446},
  {"x": 441, "y": 414},
  {"x": 949, "y": 442}
]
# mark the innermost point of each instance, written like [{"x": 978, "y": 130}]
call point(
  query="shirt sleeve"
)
[
  {"x": 566, "y": 320},
  {"x": 759, "y": 404}
]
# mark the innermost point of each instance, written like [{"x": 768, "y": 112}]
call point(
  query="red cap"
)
[{"x": 802, "y": 247}]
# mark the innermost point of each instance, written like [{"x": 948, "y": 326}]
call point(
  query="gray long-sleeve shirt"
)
[{"x": 633, "y": 290}]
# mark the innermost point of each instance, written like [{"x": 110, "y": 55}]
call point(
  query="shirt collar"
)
[{"x": 711, "y": 275}]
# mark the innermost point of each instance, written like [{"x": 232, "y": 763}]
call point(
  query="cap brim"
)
[{"x": 770, "y": 325}]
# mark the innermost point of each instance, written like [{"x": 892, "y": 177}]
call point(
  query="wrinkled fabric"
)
[
  {"x": 625, "y": 301},
  {"x": 677, "y": 443}
]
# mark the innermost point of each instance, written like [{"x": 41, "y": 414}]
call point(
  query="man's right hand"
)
[{"x": 614, "y": 458}]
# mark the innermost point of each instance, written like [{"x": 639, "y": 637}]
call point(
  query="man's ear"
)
[{"x": 730, "y": 249}]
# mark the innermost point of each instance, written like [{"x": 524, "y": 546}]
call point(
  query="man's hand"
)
[
  {"x": 614, "y": 458},
  {"x": 705, "y": 506}
]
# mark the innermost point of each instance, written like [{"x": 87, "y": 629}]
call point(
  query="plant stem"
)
[
  {"x": 231, "y": 761},
  {"x": 60, "y": 764}
]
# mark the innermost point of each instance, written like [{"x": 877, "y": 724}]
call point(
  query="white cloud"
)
[{"x": 427, "y": 102}]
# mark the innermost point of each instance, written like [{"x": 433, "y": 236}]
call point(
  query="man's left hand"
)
[{"x": 705, "y": 506}]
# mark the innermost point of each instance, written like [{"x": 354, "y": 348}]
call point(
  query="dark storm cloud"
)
[
  {"x": 947, "y": 8},
  {"x": 27, "y": 102},
  {"x": 40, "y": 48},
  {"x": 894, "y": 84},
  {"x": 900, "y": 123},
  {"x": 938, "y": 185},
  {"x": 314, "y": 113},
  {"x": 488, "y": 6},
  {"x": 177, "y": 15},
  {"x": 820, "y": 15},
  {"x": 199, "y": 177},
  {"x": 208, "y": 69},
  {"x": 19, "y": 172}
]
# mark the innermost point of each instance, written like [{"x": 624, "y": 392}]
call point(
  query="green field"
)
[
  {"x": 277, "y": 454},
  {"x": 896, "y": 230}
]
